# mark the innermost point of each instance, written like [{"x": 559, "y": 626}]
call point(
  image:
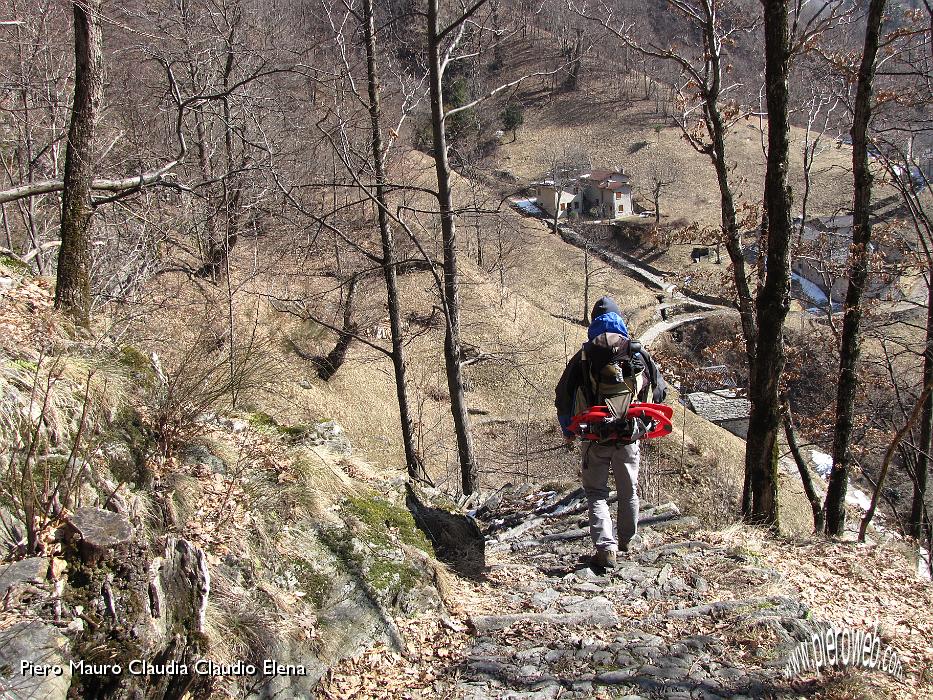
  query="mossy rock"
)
[
  {"x": 372, "y": 552},
  {"x": 139, "y": 366},
  {"x": 128, "y": 442},
  {"x": 391, "y": 578},
  {"x": 381, "y": 516},
  {"x": 14, "y": 265},
  {"x": 316, "y": 584},
  {"x": 262, "y": 421},
  {"x": 27, "y": 365}
]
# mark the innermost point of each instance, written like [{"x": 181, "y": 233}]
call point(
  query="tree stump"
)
[{"x": 95, "y": 533}]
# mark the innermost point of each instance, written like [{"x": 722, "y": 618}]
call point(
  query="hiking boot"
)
[
  {"x": 605, "y": 558},
  {"x": 627, "y": 547}
]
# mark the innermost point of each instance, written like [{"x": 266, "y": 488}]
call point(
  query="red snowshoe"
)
[{"x": 597, "y": 423}]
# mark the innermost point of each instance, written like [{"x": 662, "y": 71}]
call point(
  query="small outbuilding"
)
[{"x": 724, "y": 407}]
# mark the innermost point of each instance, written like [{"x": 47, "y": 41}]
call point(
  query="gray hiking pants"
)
[{"x": 623, "y": 461}]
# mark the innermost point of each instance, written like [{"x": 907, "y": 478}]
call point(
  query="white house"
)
[
  {"x": 598, "y": 194},
  {"x": 549, "y": 200},
  {"x": 607, "y": 194}
]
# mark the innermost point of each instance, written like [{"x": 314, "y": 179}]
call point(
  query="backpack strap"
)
[{"x": 587, "y": 384}]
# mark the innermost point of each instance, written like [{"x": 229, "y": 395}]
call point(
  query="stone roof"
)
[{"x": 719, "y": 406}]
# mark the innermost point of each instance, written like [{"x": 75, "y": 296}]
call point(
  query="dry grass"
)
[{"x": 856, "y": 586}]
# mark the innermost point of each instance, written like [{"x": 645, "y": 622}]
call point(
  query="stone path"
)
[{"x": 551, "y": 625}]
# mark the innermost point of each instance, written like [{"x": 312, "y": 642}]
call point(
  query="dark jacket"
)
[{"x": 607, "y": 322}]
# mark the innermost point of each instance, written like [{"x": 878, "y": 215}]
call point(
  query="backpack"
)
[{"x": 612, "y": 375}]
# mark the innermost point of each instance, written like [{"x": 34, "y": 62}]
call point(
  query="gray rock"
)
[
  {"x": 482, "y": 624},
  {"x": 182, "y": 578},
  {"x": 581, "y": 686},
  {"x": 671, "y": 670},
  {"x": 544, "y": 599},
  {"x": 39, "y": 647},
  {"x": 530, "y": 653},
  {"x": 588, "y": 587},
  {"x": 616, "y": 677},
  {"x": 729, "y": 673},
  {"x": 602, "y": 658},
  {"x": 198, "y": 455},
  {"x": 677, "y": 694},
  {"x": 585, "y": 574},
  {"x": 651, "y": 653},
  {"x": 31, "y": 570},
  {"x": 597, "y": 605},
  {"x": 329, "y": 434}
]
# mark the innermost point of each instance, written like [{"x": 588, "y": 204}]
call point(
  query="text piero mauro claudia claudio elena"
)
[{"x": 143, "y": 667}]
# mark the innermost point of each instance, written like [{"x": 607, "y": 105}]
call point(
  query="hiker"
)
[{"x": 614, "y": 370}]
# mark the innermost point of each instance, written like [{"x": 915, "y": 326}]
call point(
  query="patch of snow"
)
[
  {"x": 857, "y": 497},
  {"x": 822, "y": 462},
  {"x": 923, "y": 564},
  {"x": 529, "y": 206},
  {"x": 812, "y": 291}
]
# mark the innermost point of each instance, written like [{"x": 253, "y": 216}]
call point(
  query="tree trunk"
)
[
  {"x": 773, "y": 301},
  {"x": 586, "y": 284},
  {"x": 656, "y": 195},
  {"x": 574, "y": 56},
  {"x": 497, "y": 55},
  {"x": 915, "y": 523},
  {"x": 458, "y": 406},
  {"x": 327, "y": 366},
  {"x": 73, "y": 287},
  {"x": 219, "y": 246},
  {"x": 815, "y": 504},
  {"x": 850, "y": 348},
  {"x": 413, "y": 462},
  {"x": 888, "y": 457},
  {"x": 730, "y": 227}
]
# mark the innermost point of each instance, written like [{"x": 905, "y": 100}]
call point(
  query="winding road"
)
[{"x": 680, "y": 308}]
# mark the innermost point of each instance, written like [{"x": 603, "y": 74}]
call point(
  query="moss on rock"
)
[
  {"x": 383, "y": 517},
  {"x": 262, "y": 421}
]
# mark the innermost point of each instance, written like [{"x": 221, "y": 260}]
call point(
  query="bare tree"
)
[
  {"x": 773, "y": 299},
  {"x": 816, "y": 505},
  {"x": 438, "y": 60},
  {"x": 73, "y": 287},
  {"x": 821, "y": 105},
  {"x": 443, "y": 39},
  {"x": 389, "y": 256},
  {"x": 704, "y": 88},
  {"x": 858, "y": 274}
]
